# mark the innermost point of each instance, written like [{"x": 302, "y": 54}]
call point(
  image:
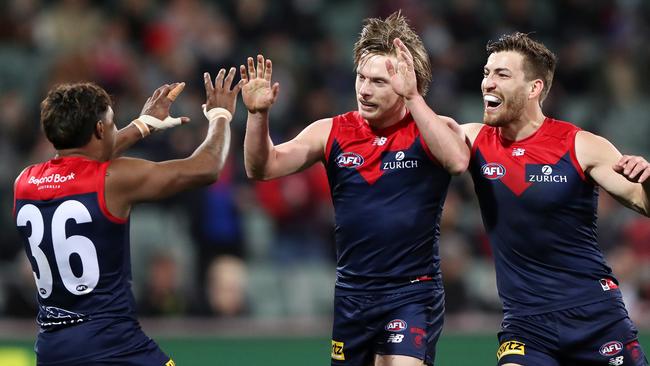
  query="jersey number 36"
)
[{"x": 63, "y": 247}]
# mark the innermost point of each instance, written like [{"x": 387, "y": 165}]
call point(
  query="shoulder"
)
[
  {"x": 592, "y": 149},
  {"x": 471, "y": 130}
]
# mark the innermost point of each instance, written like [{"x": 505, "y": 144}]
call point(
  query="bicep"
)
[
  {"x": 597, "y": 157},
  {"x": 130, "y": 180},
  {"x": 302, "y": 151}
]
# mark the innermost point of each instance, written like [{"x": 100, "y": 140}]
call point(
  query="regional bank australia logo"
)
[
  {"x": 349, "y": 160},
  {"x": 493, "y": 171}
]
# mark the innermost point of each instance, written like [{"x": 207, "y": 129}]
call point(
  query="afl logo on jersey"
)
[
  {"x": 349, "y": 160},
  {"x": 396, "y": 325},
  {"x": 493, "y": 171}
]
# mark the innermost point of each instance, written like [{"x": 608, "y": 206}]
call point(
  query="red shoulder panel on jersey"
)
[{"x": 63, "y": 177}]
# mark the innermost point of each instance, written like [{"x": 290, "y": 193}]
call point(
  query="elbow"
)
[
  {"x": 458, "y": 166},
  {"x": 209, "y": 177}
]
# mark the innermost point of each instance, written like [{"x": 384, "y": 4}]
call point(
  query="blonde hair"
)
[{"x": 377, "y": 38}]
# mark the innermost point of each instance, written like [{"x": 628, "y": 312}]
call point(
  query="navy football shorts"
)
[
  {"x": 405, "y": 323},
  {"x": 599, "y": 334},
  {"x": 99, "y": 342}
]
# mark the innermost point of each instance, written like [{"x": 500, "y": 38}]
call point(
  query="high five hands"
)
[
  {"x": 257, "y": 92},
  {"x": 402, "y": 75},
  {"x": 220, "y": 94}
]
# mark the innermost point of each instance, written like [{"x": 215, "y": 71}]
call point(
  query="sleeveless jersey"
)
[
  {"x": 79, "y": 252},
  {"x": 539, "y": 211},
  {"x": 388, "y": 192}
]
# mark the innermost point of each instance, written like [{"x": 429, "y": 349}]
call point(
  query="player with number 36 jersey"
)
[{"x": 73, "y": 213}]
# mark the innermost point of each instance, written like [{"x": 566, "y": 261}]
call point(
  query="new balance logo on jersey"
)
[
  {"x": 379, "y": 141},
  {"x": 517, "y": 151},
  {"x": 547, "y": 175},
  {"x": 349, "y": 160},
  {"x": 400, "y": 163},
  {"x": 395, "y": 338}
]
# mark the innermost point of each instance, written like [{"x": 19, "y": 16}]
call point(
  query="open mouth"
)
[{"x": 491, "y": 102}]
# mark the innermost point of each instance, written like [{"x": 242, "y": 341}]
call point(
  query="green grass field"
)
[{"x": 456, "y": 350}]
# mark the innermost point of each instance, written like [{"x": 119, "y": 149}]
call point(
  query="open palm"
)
[
  {"x": 402, "y": 76},
  {"x": 257, "y": 92}
]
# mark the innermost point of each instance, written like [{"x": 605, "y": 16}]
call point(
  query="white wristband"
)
[
  {"x": 217, "y": 112},
  {"x": 158, "y": 124}
]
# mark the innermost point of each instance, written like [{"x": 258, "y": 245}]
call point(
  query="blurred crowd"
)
[{"x": 243, "y": 248}]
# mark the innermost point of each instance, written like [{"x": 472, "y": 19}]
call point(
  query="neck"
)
[
  {"x": 80, "y": 152},
  {"x": 523, "y": 127}
]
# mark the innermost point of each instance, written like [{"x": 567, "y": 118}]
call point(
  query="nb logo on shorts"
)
[
  {"x": 395, "y": 338},
  {"x": 170, "y": 363},
  {"x": 511, "y": 348},
  {"x": 337, "y": 351}
]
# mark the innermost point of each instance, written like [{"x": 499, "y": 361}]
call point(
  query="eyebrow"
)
[
  {"x": 374, "y": 78},
  {"x": 497, "y": 70}
]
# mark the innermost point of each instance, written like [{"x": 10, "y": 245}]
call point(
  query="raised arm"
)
[
  {"x": 262, "y": 159},
  {"x": 443, "y": 135},
  {"x": 625, "y": 177},
  {"x": 157, "y": 106},
  {"x": 134, "y": 180}
]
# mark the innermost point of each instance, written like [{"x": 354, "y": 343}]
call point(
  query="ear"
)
[
  {"x": 536, "y": 88},
  {"x": 99, "y": 130}
]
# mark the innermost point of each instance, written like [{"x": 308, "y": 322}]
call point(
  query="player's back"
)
[
  {"x": 80, "y": 256},
  {"x": 539, "y": 210}
]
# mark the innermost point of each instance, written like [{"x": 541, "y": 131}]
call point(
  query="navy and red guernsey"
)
[
  {"x": 388, "y": 192},
  {"x": 539, "y": 210},
  {"x": 79, "y": 252}
]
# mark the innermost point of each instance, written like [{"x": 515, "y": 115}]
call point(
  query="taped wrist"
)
[
  {"x": 217, "y": 112},
  {"x": 154, "y": 122},
  {"x": 142, "y": 127}
]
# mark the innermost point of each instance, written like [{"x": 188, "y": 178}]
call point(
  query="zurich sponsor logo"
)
[
  {"x": 493, "y": 171},
  {"x": 396, "y": 325},
  {"x": 611, "y": 348},
  {"x": 349, "y": 160}
]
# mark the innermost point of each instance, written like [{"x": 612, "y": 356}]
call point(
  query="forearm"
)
[
  {"x": 125, "y": 138},
  {"x": 443, "y": 138},
  {"x": 258, "y": 147},
  {"x": 208, "y": 159}
]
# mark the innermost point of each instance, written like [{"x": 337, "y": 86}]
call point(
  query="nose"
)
[
  {"x": 488, "y": 83},
  {"x": 365, "y": 89}
]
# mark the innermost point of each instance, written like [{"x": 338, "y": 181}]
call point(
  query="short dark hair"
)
[
  {"x": 70, "y": 112},
  {"x": 377, "y": 38},
  {"x": 539, "y": 61}
]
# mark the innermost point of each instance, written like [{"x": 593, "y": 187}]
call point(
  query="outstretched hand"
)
[
  {"x": 158, "y": 104},
  {"x": 402, "y": 75},
  {"x": 257, "y": 92},
  {"x": 219, "y": 94},
  {"x": 634, "y": 168}
]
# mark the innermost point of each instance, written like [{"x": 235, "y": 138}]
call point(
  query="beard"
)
[{"x": 511, "y": 110}]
